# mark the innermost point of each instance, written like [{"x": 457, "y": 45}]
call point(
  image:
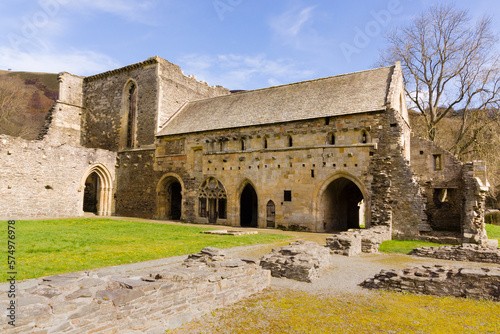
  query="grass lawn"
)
[
  {"x": 404, "y": 247},
  {"x": 381, "y": 312},
  {"x": 398, "y": 246},
  {"x": 48, "y": 247},
  {"x": 493, "y": 231}
]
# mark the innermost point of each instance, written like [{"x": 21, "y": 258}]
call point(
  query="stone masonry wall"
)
[
  {"x": 441, "y": 281},
  {"x": 37, "y": 179},
  {"x": 154, "y": 302},
  {"x": 175, "y": 89},
  {"x": 104, "y": 101},
  {"x": 466, "y": 252},
  {"x": 136, "y": 184},
  {"x": 306, "y": 168}
]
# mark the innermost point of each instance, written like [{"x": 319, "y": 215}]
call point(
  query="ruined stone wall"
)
[
  {"x": 440, "y": 280},
  {"x": 136, "y": 183},
  {"x": 440, "y": 175},
  {"x": 306, "y": 168},
  {"x": 162, "y": 89},
  {"x": 104, "y": 119},
  {"x": 38, "y": 179},
  {"x": 175, "y": 89},
  {"x": 63, "y": 122},
  {"x": 155, "y": 301},
  {"x": 397, "y": 198}
]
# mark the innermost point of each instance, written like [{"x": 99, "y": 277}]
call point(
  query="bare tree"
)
[{"x": 449, "y": 65}]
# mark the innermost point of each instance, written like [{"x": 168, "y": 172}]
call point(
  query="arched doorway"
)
[
  {"x": 169, "y": 199},
  {"x": 96, "y": 186},
  {"x": 248, "y": 207},
  {"x": 91, "y": 193},
  {"x": 343, "y": 205}
]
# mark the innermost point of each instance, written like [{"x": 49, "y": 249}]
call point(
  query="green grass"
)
[
  {"x": 48, "y": 247},
  {"x": 493, "y": 231},
  {"x": 381, "y": 312},
  {"x": 404, "y": 247},
  {"x": 399, "y": 246}
]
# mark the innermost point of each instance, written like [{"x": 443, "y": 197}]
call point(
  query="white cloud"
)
[
  {"x": 290, "y": 23},
  {"x": 243, "y": 71},
  {"x": 80, "y": 62}
]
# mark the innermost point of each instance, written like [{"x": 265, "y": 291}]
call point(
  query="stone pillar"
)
[{"x": 476, "y": 187}]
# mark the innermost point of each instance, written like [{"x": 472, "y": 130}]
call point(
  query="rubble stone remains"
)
[
  {"x": 354, "y": 242},
  {"x": 86, "y": 302},
  {"x": 300, "y": 260},
  {"x": 465, "y": 252},
  {"x": 440, "y": 280}
]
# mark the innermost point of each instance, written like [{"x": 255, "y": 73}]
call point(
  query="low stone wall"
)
[
  {"x": 440, "y": 281},
  {"x": 466, "y": 252},
  {"x": 89, "y": 303},
  {"x": 300, "y": 260},
  {"x": 353, "y": 242}
]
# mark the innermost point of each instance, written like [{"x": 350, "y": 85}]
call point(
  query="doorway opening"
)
[
  {"x": 91, "y": 193},
  {"x": 248, "y": 207},
  {"x": 343, "y": 206},
  {"x": 170, "y": 199}
]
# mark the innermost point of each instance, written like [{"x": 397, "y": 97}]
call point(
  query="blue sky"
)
[{"x": 238, "y": 44}]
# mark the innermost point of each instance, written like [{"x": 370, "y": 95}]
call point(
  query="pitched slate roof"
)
[{"x": 338, "y": 95}]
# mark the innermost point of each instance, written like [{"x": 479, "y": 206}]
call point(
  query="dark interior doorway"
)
[
  {"x": 342, "y": 205},
  {"x": 174, "y": 190},
  {"x": 91, "y": 193},
  {"x": 248, "y": 207}
]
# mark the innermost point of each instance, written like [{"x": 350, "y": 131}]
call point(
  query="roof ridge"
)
[{"x": 291, "y": 84}]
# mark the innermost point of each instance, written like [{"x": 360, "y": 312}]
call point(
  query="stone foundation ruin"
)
[
  {"x": 153, "y": 303},
  {"x": 440, "y": 280},
  {"x": 354, "y": 242},
  {"x": 465, "y": 252},
  {"x": 300, "y": 260}
]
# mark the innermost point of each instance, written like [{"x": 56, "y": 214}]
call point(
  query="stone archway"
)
[
  {"x": 96, "y": 186},
  {"x": 248, "y": 207},
  {"x": 342, "y": 205},
  {"x": 169, "y": 198}
]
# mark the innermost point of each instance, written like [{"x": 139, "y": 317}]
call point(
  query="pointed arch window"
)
[
  {"x": 129, "y": 120},
  {"x": 212, "y": 200}
]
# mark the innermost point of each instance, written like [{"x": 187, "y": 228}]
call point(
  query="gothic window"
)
[
  {"x": 212, "y": 200},
  {"x": 242, "y": 144},
  {"x": 290, "y": 141},
  {"x": 131, "y": 115}
]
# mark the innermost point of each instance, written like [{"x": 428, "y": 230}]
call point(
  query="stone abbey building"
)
[{"x": 322, "y": 155}]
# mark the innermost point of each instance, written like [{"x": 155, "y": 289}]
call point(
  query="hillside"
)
[{"x": 25, "y": 99}]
